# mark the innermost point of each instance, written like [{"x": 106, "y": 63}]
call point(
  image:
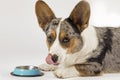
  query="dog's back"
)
[{"x": 109, "y": 48}]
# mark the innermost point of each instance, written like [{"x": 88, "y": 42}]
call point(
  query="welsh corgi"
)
[{"x": 76, "y": 48}]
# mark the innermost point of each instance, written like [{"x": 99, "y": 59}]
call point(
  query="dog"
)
[{"x": 76, "y": 48}]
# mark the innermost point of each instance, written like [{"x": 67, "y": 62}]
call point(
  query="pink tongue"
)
[{"x": 49, "y": 60}]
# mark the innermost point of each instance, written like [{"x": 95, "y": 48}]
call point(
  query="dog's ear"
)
[
  {"x": 80, "y": 15},
  {"x": 44, "y": 13}
]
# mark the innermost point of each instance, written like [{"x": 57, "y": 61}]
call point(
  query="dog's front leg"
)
[
  {"x": 68, "y": 69},
  {"x": 48, "y": 67},
  {"x": 86, "y": 69}
]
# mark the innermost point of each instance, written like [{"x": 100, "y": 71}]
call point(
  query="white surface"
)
[{"x": 22, "y": 42}]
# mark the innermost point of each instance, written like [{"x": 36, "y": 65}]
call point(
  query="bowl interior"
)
[{"x": 27, "y": 67}]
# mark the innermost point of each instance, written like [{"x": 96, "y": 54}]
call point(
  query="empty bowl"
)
[{"x": 27, "y": 71}]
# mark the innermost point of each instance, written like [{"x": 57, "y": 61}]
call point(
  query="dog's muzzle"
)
[{"x": 52, "y": 59}]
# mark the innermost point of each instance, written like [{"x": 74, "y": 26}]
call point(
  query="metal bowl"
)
[{"x": 27, "y": 71}]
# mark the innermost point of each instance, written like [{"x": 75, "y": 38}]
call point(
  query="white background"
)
[{"x": 22, "y": 42}]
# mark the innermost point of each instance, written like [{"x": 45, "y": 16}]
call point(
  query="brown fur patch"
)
[
  {"x": 73, "y": 46},
  {"x": 89, "y": 69},
  {"x": 51, "y": 38},
  {"x": 62, "y": 36}
]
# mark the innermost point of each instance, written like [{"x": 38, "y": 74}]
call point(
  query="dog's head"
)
[{"x": 63, "y": 37}]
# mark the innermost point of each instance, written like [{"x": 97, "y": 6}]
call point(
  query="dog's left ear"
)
[{"x": 80, "y": 15}]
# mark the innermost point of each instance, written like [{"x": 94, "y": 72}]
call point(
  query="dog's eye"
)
[
  {"x": 66, "y": 40},
  {"x": 50, "y": 39}
]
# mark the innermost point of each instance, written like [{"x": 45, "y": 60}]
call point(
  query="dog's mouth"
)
[{"x": 52, "y": 59}]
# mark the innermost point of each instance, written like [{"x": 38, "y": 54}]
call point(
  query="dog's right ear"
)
[
  {"x": 44, "y": 13},
  {"x": 80, "y": 15}
]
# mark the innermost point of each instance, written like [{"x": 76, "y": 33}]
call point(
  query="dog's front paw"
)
[
  {"x": 60, "y": 73},
  {"x": 47, "y": 67},
  {"x": 66, "y": 72}
]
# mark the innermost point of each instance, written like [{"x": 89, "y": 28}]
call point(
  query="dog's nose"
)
[{"x": 54, "y": 58}]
